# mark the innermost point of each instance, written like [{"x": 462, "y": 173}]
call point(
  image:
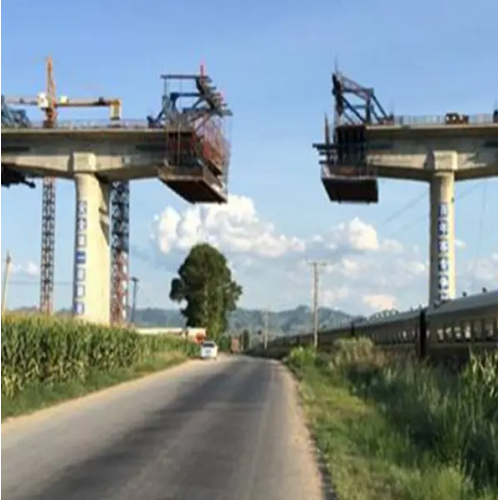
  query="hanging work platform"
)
[
  {"x": 197, "y": 149},
  {"x": 195, "y": 166},
  {"x": 192, "y": 170},
  {"x": 345, "y": 171},
  {"x": 195, "y": 185}
]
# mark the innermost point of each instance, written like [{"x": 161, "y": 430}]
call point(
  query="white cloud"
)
[
  {"x": 354, "y": 234},
  {"x": 29, "y": 269},
  {"x": 478, "y": 273},
  {"x": 364, "y": 272},
  {"x": 332, "y": 297},
  {"x": 380, "y": 302},
  {"x": 233, "y": 227},
  {"x": 357, "y": 234},
  {"x": 459, "y": 243}
]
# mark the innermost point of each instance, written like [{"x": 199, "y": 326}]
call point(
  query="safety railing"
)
[
  {"x": 429, "y": 120},
  {"x": 133, "y": 124},
  {"x": 426, "y": 120}
]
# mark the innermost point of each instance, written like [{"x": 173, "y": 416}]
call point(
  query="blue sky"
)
[{"x": 273, "y": 61}]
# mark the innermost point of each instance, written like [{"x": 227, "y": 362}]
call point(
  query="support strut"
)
[
  {"x": 48, "y": 245},
  {"x": 120, "y": 200}
]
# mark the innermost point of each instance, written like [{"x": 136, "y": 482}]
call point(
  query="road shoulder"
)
[{"x": 13, "y": 423}]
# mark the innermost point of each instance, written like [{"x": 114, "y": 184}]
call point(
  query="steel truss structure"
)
[
  {"x": 14, "y": 118},
  {"x": 345, "y": 173},
  {"x": 120, "y": 234},
  {"x": 195, "y": 166},
  {"x": 355, "y": 104},
  {"x": 48, "y": 245},
  {"x": 197, "y": 150}
]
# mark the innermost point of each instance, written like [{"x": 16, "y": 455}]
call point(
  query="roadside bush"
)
[
  {"x": 224, "y": 343},
  {"x": 302, "y": 357},
  {"x": 450, "y": 417},
  {"x": 44, "y": 349}
]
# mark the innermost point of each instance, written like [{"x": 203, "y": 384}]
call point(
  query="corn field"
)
[{"x": 41, "y": 349}]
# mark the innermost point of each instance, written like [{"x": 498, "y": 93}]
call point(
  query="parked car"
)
[{"x": 209, "y": 350}]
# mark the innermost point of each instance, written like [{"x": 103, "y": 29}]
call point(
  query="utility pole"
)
[
  {"x": 315, "y": 266},
  {"x": 6, "y": 275},
  {"x": 135, "y": 290},
  {"x": 266, "y": 325}
]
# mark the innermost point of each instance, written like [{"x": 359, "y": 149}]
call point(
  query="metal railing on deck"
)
[
  {"x": 133, "y": 124},
  {"x": 429, "y": 120},
  {"x": 426, "y": 120}
]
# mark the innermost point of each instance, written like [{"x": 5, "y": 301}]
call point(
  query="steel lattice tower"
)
[
  {"x": 48, "y": 245},
  {"x": 120, "y": 199}
]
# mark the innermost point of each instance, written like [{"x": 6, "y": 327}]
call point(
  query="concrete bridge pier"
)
[
  {"x": 92, "y": 265},
  {"x": 442, "y": 282}
]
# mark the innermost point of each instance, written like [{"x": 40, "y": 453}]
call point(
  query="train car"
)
[
  {"x": 399, "y": 331},
  {"x": 305, "y": 340},
  {"x": 327, "y": 339},
  {"x": 463, "y": 324},
  {"x": 452, "y": 329}
]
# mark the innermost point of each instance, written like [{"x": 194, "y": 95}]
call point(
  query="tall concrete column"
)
[
  {"x": 442, "y": 284},
  {"x": 91, "y": 291}
]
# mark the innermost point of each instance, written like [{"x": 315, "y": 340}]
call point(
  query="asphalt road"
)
[{"x": 225, "y": 430}]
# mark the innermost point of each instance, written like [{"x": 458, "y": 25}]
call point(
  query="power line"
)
[
  {"x": 36, "y": 283},
  {"x": 402, "y": 210},
  {"x": 481, "y": 225},
  {"x": 422, "y": 218}
]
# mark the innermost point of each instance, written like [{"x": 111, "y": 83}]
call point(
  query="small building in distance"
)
[{"x": 197, "y": 335}]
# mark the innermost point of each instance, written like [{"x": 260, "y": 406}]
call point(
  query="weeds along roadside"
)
[
  {"x": 401, "y": 430},
  {"x": 47, "y": 360}
]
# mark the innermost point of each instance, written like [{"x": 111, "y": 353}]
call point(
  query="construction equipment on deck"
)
[
  {"x": 48, "y": 102},
  {"x": 14, "y": 118},
  {"x": 197, "y": 150},
  {"x": 345, "y": 172}
]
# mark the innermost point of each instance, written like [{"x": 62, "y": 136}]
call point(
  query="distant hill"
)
[{"x": 288, "y": 322}]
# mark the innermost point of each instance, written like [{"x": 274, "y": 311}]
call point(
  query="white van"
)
[{"x": 209, "y": 350}]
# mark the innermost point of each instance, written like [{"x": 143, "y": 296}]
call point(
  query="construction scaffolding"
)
[
  {"x": 49, "y": 104},
  {"x": 14, "y": 118},
  {"x": 120, "y": 234},
  {"x": 196, "y": 156},
  {"x": 197, "y": 149},
  {"x": 345, "y": 172},
  {"x": 48, "y": 246}
]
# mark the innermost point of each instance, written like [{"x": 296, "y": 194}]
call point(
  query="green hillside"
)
[
  {"x": 288, "y": 322},
  {"x": 280, "y": 323}
]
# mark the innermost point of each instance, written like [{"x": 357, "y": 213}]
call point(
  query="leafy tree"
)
[{"x": 205, "y": 283}]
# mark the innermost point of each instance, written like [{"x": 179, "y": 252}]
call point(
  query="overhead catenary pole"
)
[
  {"x": 315, "y": 266},
  {"x": 135, "y": 290},
  {"x": 6, "y": 275},
  {"x": 266, "y": 325}
]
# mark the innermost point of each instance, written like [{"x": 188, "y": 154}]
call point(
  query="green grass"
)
[
  {"x": 42, "y": 395},
  {"x": 400, "y": 431}
]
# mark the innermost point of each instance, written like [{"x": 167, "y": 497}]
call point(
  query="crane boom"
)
[
  {"x": 49, "y": 103},
  {"x": 50, "y": 107},
  {"x": 20, "y": 101}
]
